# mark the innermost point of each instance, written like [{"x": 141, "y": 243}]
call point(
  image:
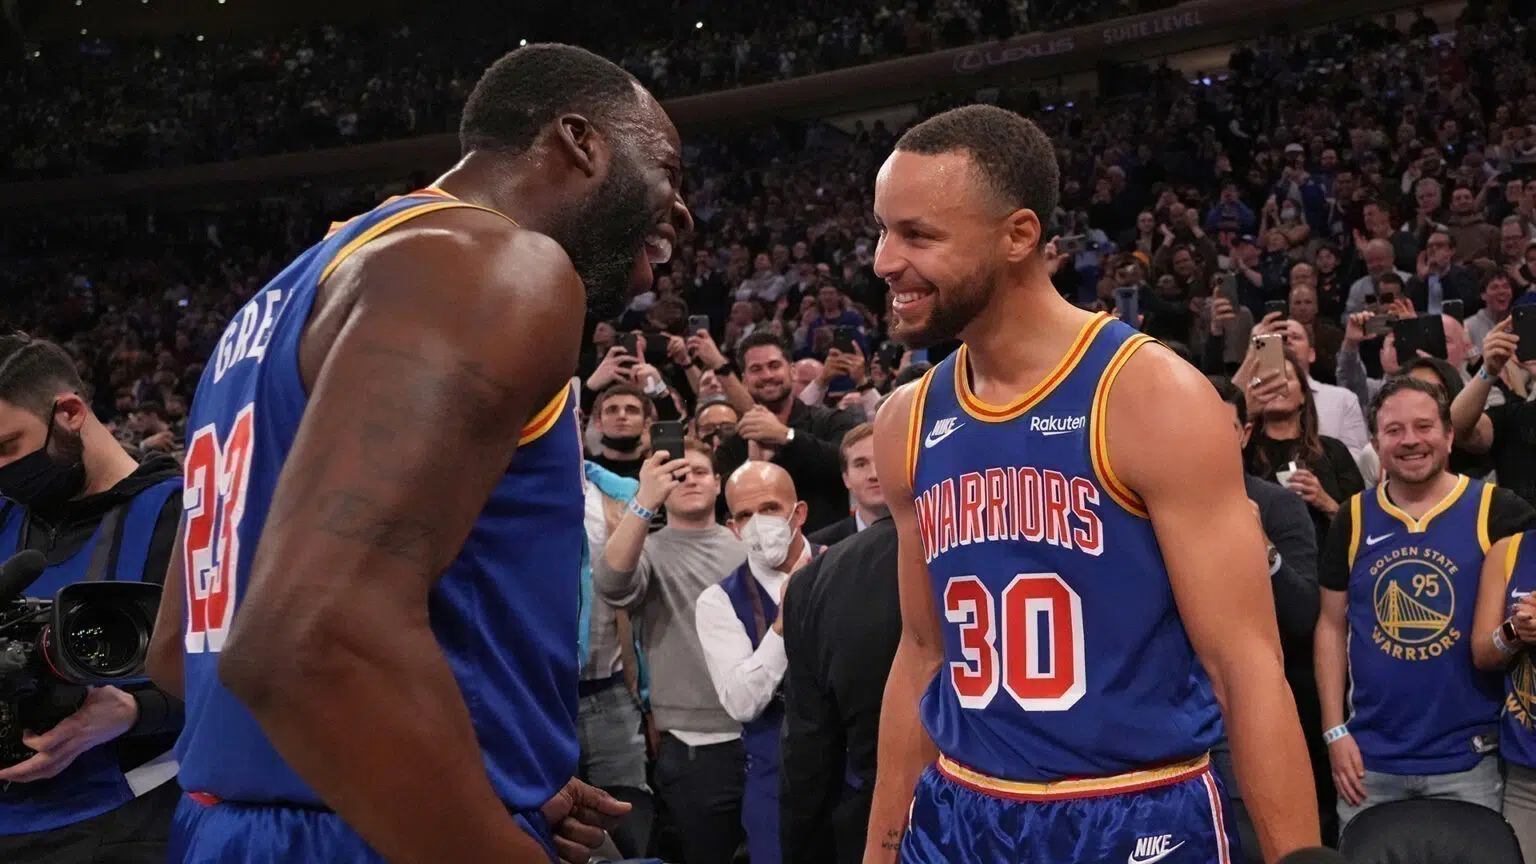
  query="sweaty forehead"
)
[
  {"x": 655, "y": 132},
  {"x": 920, "y": 186}
]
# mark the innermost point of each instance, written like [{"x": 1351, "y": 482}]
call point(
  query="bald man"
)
[{"x": 741, "y": 632}]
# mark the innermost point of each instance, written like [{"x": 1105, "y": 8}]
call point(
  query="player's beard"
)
[
  {"x": 604, "y": 233},
  {"x": 953, "y": 310}
]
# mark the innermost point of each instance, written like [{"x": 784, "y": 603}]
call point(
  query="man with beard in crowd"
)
[
  {"x": 802, "y": 439},
  {"x": 378, "y": 544}
]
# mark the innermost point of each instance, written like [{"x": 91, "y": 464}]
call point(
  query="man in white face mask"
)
[{"x": 740, "y": 630}]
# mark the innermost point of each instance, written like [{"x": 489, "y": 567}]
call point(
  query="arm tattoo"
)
[
  {"x": 350, "y": 514},
  {"x": 892, "y": 839}
]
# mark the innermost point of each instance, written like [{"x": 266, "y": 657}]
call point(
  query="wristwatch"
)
[{"x": 1507, "y": 630}]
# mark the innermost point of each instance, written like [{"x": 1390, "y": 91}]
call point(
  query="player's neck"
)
[
  {"x": 483, "y": 178},
  {"x": 1416, "y": 498},
  {"x": 1018, "y": 339}
]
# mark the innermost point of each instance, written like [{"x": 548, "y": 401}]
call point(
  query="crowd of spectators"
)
[
  {"x": 1320, "y": 182},
  {"x": 102, "y": 106}
]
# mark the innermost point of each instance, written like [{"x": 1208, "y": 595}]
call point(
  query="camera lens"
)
[{"x": 106, "y": 640}]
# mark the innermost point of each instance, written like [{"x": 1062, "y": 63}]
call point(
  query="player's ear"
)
[
  {"x": 1021, "y": 235},
  {"x": 578, "y": 139}
]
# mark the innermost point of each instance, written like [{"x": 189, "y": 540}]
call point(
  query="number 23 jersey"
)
[{"x": 1064, "y": 652}]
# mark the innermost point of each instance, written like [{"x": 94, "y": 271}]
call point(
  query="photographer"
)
[{"x": 97, "y": 789}]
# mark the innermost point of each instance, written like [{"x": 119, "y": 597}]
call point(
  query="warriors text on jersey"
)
[
  {"x": 504, "y": 612},
  {"x": 1065, "y": 655},
  {"x": 1517, "y": 736}
]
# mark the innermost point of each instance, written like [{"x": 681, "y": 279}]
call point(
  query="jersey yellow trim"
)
[
  {"x": 915, "y": 427},
  {"x": 1085, "y": 787},
  {"x": 989, "y": 413},
  {"x": 1482, "y": 517},
  {"x": 395, "y": 219},
  {"x": 1419, "y": 526},
  {"x": 1356, "y": 508},
  {"x": 546, "y": 419},
  {"x": 1510, "y": 555},
  {"x": 1098, "y": 435}
]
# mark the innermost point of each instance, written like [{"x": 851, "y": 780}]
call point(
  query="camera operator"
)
[{"x": 98, "y": 789}]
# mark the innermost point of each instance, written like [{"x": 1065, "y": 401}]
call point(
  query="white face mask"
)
[{"x": 768, "y": 539}]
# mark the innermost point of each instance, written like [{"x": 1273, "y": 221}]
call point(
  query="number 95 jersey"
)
[{"x": 1065, "y": 655}]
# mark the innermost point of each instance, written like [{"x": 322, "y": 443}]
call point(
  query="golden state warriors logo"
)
[
  {"x": 1415, "y": 600},
  {"x": 1521, "y": 700}
]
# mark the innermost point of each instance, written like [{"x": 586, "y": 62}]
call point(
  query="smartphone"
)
[
  {"x": 1127, "y": 305},
  {"x": 630, "y": 342},
  {"x": 1228, "y": 289},
  {"x": 1280, "y": 306},
  {"x": 1420, "y": 333},
  {"x": 1071, "y": 244},
  {"x": 843, "y": 339},
  {"x": 667, "y": 435},
  {"x": 1454, "y": 308},
  {"x": 1524, "y": 326},
  {"x": 697, "y": 323},
  {"x": 1270, "y": 348}
]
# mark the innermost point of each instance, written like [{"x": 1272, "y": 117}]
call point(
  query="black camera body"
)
[{"x": 90, "y": 634}]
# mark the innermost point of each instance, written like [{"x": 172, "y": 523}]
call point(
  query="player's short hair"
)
[
  {"x": 852, "y": 437},
  {"x": 758, "y": 339},
  {"x": 1407, "y": 383},
  {"x": 1012, "y": 156},
  {"x": 1231, "y": 395},
  {"x": 33, "y": 372},
  {"x": 624, "y": 388},
  {"x": 527, "y": 89}
]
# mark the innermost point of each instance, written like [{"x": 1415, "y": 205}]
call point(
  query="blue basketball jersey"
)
[
  {"x": 1065, "y": 653},
  {"x": 1417, "y": 705},
  {"x": 504, "y": 612},
  {"x": 1517, "y": 735}
]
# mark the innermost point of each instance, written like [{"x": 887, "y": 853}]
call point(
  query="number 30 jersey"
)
[
  {"x": 1065, "y": 655},
  {"x": 504, "y": 612}
]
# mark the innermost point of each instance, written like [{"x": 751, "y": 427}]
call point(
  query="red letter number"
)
[
  {"x": 1042, "y": 631},
  {"x": 214, "y": 503}
]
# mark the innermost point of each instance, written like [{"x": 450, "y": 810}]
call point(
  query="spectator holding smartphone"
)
[{"x": 1506, "y": 432}]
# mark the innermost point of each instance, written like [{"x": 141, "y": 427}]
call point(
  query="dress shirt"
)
[
  {"x": 1339, "y": 415},
  {"x": 745, "y": 679}
]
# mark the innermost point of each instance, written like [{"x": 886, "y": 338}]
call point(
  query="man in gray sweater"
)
[{"x": 657, "y": 579}]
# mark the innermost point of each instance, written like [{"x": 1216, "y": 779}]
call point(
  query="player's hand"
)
[
  {"x": 658, "y": 477},
  {"x": 761, "y": 425},
  {"x": 615, "y": 367},
  {"x": 1305, "y": 484},
  {"x": 581, "y": 817},
  {"x": 1499, "y": 346},
  {"x": 1348, "y": 770},
  {"x": 703, "y": 346},
  {"x": 106, "y": 713}
]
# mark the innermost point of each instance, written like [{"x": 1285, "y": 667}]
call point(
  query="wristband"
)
[
  {"x": 1482, "y": 372},
  {"x": 1334, "y": 734},
  {"x": 644, "y": 514},
  {"x": 1500, "y": 643}
]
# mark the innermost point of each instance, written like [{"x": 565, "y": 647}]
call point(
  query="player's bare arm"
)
[
  {"x": 427, "y": 353},
  {"x": 1171, "y": 440},
  {"x": 905, "y": 748},
  {"x": 164, "y": 659}
]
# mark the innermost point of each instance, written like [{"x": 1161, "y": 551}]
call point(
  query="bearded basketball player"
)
[
  {"x": 1084, "y": 590},
  {"x": 377, "y": 616}
]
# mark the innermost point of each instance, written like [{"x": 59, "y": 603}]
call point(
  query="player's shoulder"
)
[
  {"x": 894, "y": 433},
  {"x": 1156, "y": 382}
]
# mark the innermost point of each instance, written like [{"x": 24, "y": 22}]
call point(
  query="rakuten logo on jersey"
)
[{"x": 1057, "y": 425}]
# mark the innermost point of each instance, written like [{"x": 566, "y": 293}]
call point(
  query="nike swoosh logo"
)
[
  {"x": 1519, "y": 594},
  {"x": 933, "y": 439},
  {"x": 1059, "y": 432},
  {"x": 1158, "y": 857},
  {"x": 1372, "y": 541}
]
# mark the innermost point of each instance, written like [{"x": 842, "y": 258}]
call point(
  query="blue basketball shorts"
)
[
  {"x": 231, "y": 833},
  {"x": 1176, "y": 814}
]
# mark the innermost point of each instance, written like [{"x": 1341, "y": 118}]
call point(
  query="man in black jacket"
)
[
  {"x": 1293, "y": 576},
  {"x": 99, "y": 786},
  {"x": 1438, "y": 278},
  {"x": 858, "y": 460},
  {"x": 842, "y": 621},
  {"x": 802, "y": 439}
]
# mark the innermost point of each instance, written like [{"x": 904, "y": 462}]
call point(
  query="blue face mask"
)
[{"x": 39, "y": 479}]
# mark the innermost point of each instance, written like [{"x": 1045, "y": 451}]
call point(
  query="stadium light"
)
[
  {"x": 698, "y": 25},
  {"x": 79, "y": 2},
  {"x": 522, "y": 43},
  {"x": 199, "y": 37},
  {"x": 83, "y": 31}
]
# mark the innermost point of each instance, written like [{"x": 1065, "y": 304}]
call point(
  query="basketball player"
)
[
  {"x": 1083, "y": 585},
  {"x": 378, "y": 627}
]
